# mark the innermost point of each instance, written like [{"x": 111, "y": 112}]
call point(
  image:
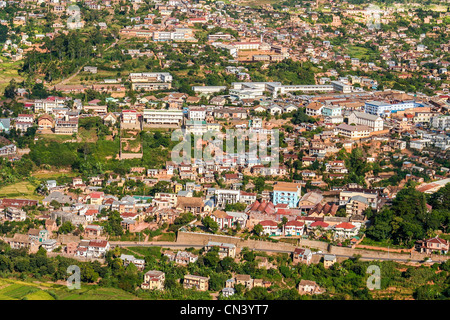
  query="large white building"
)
[
  {"x": 163, "y": 117},
  {"x": 151, "y": 77},
  {"x": 382, "y": 108},
  {"x": 353, "y": 132},
  {"x": 372, "y": 121},
  {"x": 224, "y": 197},
  {"x": 441, "y": 122}
]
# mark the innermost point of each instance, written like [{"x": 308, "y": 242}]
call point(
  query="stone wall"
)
[{"x": 203, "y": 238}]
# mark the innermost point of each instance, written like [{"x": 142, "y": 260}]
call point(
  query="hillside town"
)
[{"x": 311, "y": 136}]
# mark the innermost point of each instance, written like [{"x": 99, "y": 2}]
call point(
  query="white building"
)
[
  {"x": 372, "y": 121},
  {"x": 163, "y": 117}
]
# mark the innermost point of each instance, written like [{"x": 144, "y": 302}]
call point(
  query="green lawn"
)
[
  {"x": 148, "y": 251},
  {"x": 385, "y": 244},
  {"x": 55, "y": 137},
  {"x": 356, "y": 52},
  {"x": 167, "y": 237}
]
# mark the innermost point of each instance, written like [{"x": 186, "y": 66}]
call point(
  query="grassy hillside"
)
[{"x": 22, "y": 290}]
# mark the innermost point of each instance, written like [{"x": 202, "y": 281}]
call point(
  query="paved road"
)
[{"x": 180, "y": 245}]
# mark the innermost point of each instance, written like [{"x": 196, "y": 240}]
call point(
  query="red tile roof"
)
[{"x": 268, "y": 223}]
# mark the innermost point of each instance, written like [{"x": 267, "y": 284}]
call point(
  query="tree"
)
[
  {"x": 10, "y": 90},
  {"x": 3, "y": 33},
  {"x": 341, "y": 213},
  {"x": 258, "y": 229},
  {"x": 55, "y": 204},
  {"x": 66, "y": 227},
  {"x": 211, "y": 258},
  {"x": 210, "y": 224}
]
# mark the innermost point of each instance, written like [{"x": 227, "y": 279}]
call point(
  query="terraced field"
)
[
  {"x": 23, "y": 189},
  {"x": 20, "y": 290}
]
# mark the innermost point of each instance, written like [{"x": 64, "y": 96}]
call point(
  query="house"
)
[
  {"x": 5, "y": 125},
  {"x": 93, "y": 230},
  {"x": 196, "y": 282},
  {"x": 190, "y": 204},
  {"x": 225, "y": 249},
  {"x": 184, "y": 258},
  {"x": 275, "y": 109},
  {"x": 314, "y": 109},
  {"x": 302, "y": 255},
  {"x": 345, "y": 230},
  {"x": 310, "y": 199},
  {"x": 45, "y": 122},
  {"x": 329, "y": 260},
  {"x": 222, "y": 219},
  {"x": 96, "y": 198},
  {"x": 15, "y": 214},
  {"x": 245, "y": 280},
  {"x": 127, "y": 259},
  {"x": 110, "y": 119},
  {"x": 309, "y": 287},
  {"x": 49, "y": 245},
  {"x": 153, "y": 280},
  {"x": 227, "y": 292},
  {"x": 270, "y": 228},
  {"x": 294, "y": 228},
  {"x": 93, "y": 248},
  {"x": 435, "y": 244},
  {"x": 58, "y": 197}
]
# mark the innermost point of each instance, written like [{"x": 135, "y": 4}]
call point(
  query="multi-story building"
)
[
  {"x": 15, "y": 214},
  {"x": 225, "y": 249},
  {"x": 346, "y": 196},
  {"x": 270, "y": 228},
  {"x": 374, "y": 122},
  {"x": 66, "y": 126},
  {"x": 93, "y": 248},
  {"x": 286, "y": 193},
  {"x": 435, "y": 244},
  {"x": 331, "y": 111},
  {"x": 224, "y": 197},
  {"x": 163, "y": 117},
  {"x": 353, "y": 132},
  {"x": 197, "y": 113},
  {"x": 24, "y": 121},
  {"x": 294, "y": 228},
  {"x": 356, "y": 205},
  {"x": 47, "y": 105},
  {"x": 197, "y": 282},
  {"x": 441, "y": 122},
  {"x": 382, "y": 108},
  {"x": 153, "y": 280}
]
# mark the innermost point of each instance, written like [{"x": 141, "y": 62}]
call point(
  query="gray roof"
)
[
  {"x": 360, "y": 199},
  {"x": 329, "y": 257}
]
